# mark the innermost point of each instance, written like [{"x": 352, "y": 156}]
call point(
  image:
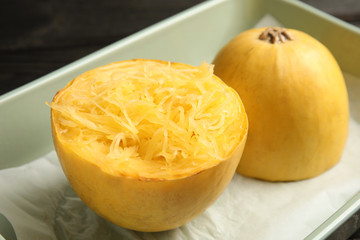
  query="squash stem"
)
[{"x": 276, "y": 35}]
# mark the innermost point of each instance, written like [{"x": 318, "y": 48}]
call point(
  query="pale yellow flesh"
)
[{"x": 149, "y": 119}]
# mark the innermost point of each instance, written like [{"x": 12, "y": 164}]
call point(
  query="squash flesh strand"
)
[{"x": 147, "y": 120}]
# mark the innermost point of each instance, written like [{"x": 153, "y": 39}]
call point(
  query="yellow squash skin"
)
[
  {"x": 296, "y": 101},
  {"x": 144, "y": 204},
  {"x": 147, "y": 205}
]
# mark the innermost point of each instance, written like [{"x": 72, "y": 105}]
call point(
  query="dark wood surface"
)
[{"x": 38, "y": 37}]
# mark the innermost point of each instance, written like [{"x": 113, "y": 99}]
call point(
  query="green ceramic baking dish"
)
[{"x": 189, "y": 37}]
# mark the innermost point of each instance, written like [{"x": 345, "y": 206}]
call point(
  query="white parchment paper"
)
[{"x": 40, "y": 203}]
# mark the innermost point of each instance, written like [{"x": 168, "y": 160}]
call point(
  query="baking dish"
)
[{"x": 190, "y": 37}]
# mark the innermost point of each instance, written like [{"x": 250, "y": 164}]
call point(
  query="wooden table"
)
[{"x": 38, "y": 37}]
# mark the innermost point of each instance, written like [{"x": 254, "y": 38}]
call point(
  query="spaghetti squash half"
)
[{"x": 147, "y": 144}]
